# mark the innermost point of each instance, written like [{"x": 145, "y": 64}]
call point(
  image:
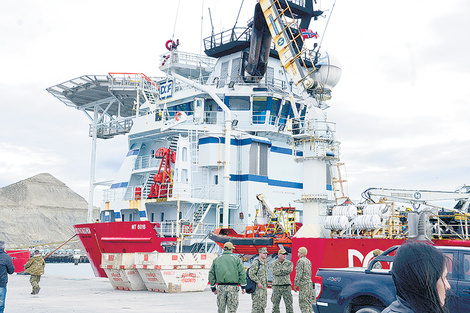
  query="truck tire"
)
[{"x": 369, "y": 310}]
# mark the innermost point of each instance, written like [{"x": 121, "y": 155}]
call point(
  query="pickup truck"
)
[{"x": 369, "y": 290}]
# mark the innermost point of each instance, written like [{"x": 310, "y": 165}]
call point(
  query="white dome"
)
[{"x": 330, "y": 71}]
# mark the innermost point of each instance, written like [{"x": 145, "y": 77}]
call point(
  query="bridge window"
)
[
  {"x": 239, "y": 103},
  {"x": 260, "y": 105},
  {"x": 286, "y": 112},
  {"x": 275, "y": 104},
  {"x": 186, "y": 107}
]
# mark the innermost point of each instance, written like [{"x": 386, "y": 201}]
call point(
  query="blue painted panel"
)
[
  {"x": 233, "y": 142},
  {"x": 285, "y": 151},
  {"x": 120, "y": 185},
  {"x": 282, "y": 183},
  {"x": 132, "y": 152},
  {"x": 142, "y": 214},
  {"x": 264, "y": 179}
]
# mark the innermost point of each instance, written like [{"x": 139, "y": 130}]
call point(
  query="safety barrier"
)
[{"x": 160, "y": 272}]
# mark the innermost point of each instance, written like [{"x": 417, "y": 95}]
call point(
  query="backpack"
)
[{"x": 250, "y": 285}]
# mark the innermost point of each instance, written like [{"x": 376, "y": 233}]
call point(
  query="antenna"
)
[
  {"x": 202, "y": 22},
  {"x": 236, "y": 21},
  {"x": 212, "y": 25}
]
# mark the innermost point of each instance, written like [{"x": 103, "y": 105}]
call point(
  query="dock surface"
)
[{"x": 72, "y": 288}]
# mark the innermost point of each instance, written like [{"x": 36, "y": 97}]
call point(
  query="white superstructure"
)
[{"x": 204, "y": 141}]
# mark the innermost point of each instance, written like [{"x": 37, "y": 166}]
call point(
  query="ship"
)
[{"x": 222, "y": 141}]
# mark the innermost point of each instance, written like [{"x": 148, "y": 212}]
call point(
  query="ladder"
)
[
  {"x": 289, "y": 43},
  {"x": 339, "y": 183}
]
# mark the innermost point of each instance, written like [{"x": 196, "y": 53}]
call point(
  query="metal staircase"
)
[
  {"x": 174, "y": 143},
  {"x": 150, "y": 96},
  {"x": 148, "y": 184},
  {"x": 201, "y": 213}
]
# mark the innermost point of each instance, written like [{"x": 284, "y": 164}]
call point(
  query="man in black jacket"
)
[{"x": 6, "y": 267}]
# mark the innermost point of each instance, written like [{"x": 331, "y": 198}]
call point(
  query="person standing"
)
[
  {"x": 6, "y": 267},
  {"x": 282, "y": 286},
  {"x": 226, "y": 273},
  {"x": 258, "y": 273},
  {"x": 303, "y": 281},
  {"x": 419, "y": 273},
  {"x": 35, "y": 267}
]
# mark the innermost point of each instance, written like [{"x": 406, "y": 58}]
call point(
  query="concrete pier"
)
[{"x": 67, "y": 288}]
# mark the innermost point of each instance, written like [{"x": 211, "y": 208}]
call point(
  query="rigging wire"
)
[
  {"x": 239, "y": 10},
  {"x": 176, "y": 19},
  {"x": 326, "y": 26}
]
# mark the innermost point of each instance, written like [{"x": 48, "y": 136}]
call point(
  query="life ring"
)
[
  {"x": 177, "y": 116},
  {"x": 187, "y": 229},
  {"x": 171, "y": 45}
]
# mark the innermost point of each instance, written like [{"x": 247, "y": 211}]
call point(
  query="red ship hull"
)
[
  {"x": 128, "y": 237},
  {"x": 20, "y": 257},
  {"x": 119, "y": 237},
  {"x": 342, "y": 252}
]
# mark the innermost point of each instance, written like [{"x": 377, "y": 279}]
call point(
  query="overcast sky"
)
[{"x": 402, "y": 105}]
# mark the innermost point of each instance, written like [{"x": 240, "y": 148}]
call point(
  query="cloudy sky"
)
[{"x": 401, "y": 107}]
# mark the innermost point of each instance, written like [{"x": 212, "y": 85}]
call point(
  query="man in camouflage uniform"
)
[
  {"x": 35, "y": 267},
  {"x": 258, "y": 273},
  {"x": 303, "y": 281},
  {"x": 227, "y": 271},
  {"x": 282, "y": 286}
]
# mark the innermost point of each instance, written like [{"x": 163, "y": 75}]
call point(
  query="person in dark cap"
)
[
  {"x": 303, "y": 281},
  {"x": 226, "y": 274},
  {"x": 282, "y": 286},
  {"x": 258, "y": 273},
  {"x": 35, "y": 266},
  {"x": 6, "y": 267}
]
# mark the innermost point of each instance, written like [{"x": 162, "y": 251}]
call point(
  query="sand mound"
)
[{"x": 40, "y": 211}]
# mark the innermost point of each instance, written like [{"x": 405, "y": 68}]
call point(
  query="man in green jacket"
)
[
  {"x": 282, "y": 286},
  {"x": 258, "y": 273},
  {"x": 303, "y": 281},
  {"x": 228, "y": 273},
  {"x": 35, "y": 267}
]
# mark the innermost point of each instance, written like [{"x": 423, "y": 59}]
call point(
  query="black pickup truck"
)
[{"x": 366, "y": 290}]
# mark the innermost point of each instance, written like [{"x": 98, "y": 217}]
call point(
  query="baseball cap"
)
[
  {"x": 303, "y": 250},
  {"x": 263, "y": 250},
  {"x": 228, "y": 245},
  {"x": 282, "y": 251}
]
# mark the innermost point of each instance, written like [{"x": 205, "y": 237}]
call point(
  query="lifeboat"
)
[{"x": 273, "y": 235}]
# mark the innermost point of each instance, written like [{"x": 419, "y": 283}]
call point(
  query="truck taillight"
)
[{"x": 318, "y": 286}]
